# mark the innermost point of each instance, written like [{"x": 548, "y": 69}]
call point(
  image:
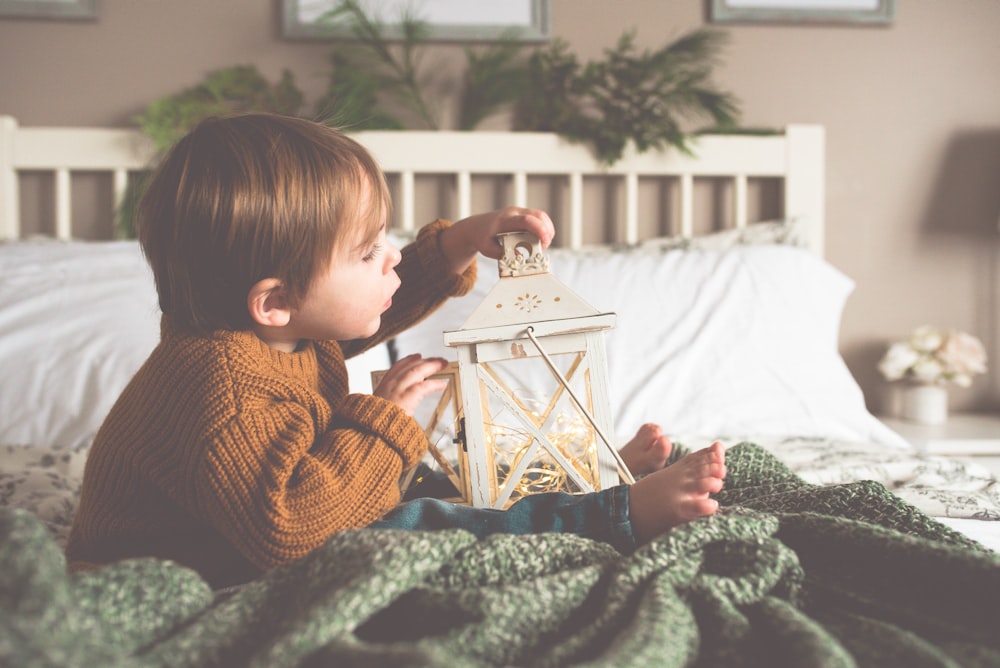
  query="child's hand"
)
[
  {"x": 477, "y": 234},
  {"x": 406, "y": 384}
]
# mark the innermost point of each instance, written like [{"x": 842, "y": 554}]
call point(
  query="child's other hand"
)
[
  {"x": 477, "y": 234},
  {"x": 406, "y": 383}
]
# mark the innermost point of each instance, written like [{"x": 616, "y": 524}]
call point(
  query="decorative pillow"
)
[
  {"x": 790, "y": 232},
  {"x": 714, "y": 343},
  {"x": 77, "y": 320}
]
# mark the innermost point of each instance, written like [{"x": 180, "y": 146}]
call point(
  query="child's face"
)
[{"x": 347, "y": 301}]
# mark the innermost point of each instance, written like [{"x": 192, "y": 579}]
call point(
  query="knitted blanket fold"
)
[{"x": 786, "y": 574}]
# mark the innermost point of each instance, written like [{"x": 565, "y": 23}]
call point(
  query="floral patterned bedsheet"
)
[
  {"x": 47, "y": 482},
  {"x": 939, "y": 486}
]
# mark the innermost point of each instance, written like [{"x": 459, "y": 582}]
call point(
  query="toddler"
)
[{"x": 237, "y": 446}]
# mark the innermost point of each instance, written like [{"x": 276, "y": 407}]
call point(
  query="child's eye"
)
[{"x": 373, "y": 253}]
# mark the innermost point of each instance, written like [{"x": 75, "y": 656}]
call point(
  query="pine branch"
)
[
  {"x": 646, "y": 97},
  {"x": 375, "y": 69},
  {"x": 494, "y": 77},
  {"x": 225, "y": 91}
]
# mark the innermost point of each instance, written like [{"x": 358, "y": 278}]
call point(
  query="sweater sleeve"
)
[
  {"x": 279, "y": 501},
  {"x": 425, "y": 284}
]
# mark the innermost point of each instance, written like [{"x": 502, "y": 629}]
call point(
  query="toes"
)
[
  {"x": 705, "y": 507},
  {"x": 704, "y": 485},
  {"x": 649, "y": 432}
]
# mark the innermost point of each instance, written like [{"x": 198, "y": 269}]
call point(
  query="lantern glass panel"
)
[{"x": 537, "y": 438}]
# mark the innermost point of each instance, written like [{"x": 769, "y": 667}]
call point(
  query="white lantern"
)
[{"x": 518, "y": 438}]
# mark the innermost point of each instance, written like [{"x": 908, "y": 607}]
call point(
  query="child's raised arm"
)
[{"x": 476, "y": 234}]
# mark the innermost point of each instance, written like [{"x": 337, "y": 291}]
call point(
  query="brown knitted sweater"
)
[{"x": 230, "y": 457}]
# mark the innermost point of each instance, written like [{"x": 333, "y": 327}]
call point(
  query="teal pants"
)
[{"x": 600, "y": 515}]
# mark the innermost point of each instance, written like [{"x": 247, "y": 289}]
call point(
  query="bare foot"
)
[
  {"x": 647, "y": 451},
  {"x": 678, "y": 493}
]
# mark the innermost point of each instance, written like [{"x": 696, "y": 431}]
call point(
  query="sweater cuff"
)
[
  {"x": 389, "y": 422},
  {"x": 434, "y": 261}
]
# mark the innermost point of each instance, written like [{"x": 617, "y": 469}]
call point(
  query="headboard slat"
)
[
  {"x": 687, "y": 205},
  {"x": 64, "y": 204},
  {"x": 464, "y": 185},
  {"x": 407, "y": 203},
  {"x": 631, "y": 208},
  {"x": 575, "y": 210},
  {"x": 520, "y": 189},
  {"x": 119, "y": 184},
  {"x": 740, "y": 213}
]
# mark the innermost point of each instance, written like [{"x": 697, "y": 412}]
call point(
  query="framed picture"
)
[
  {"x": 878, "y": 12},
  {"x": 49, "y": 9},
  {"x": 447, "y": 20}
]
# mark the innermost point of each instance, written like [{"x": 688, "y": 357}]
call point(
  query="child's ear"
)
[{"x": 268, "y": 304}]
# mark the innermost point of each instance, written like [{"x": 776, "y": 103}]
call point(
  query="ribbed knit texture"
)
[
  {"x": 231, "y": 457},
  {"x": 812, "y": 577}
]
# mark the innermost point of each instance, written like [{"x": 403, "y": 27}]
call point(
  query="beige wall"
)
[{"x": 912, "y": 113}]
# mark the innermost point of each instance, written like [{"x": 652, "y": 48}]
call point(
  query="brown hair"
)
[{"x": 249, "y": 197}]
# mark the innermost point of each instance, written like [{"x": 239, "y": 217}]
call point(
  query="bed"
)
[{"x": 838, "y": 541}]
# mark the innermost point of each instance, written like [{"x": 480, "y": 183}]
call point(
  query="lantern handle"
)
[{"x": 623, "y": 471}]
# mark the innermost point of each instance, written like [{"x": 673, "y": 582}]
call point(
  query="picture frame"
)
[
  {"x": 49, "y": 9},
  {"x": 448, "y": 20},
  {"x": 871, "y": 12}
]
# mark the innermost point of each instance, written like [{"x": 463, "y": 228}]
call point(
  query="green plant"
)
[
  {"x": 373, "y": 71},
  {"x": 650, "y": 97},
  {"x": 494, "y": 78},
  {"x": 228, "y": 90},
  {"x": 370, "y": 68}
]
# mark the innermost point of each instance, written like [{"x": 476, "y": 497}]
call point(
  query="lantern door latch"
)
[{"x": 460, "y": 436}]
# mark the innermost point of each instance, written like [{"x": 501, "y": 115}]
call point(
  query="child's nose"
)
[{"x": 393, "y": 257}]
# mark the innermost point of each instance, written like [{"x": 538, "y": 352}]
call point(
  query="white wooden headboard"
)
[{"x": 794, "y": 158}]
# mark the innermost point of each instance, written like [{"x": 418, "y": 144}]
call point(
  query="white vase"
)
[{"x": 924, "y": 403}]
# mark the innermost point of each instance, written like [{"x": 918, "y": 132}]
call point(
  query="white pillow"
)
[
  {"x": 77, "y": 320},
  {"x": 726, "y": 344}
]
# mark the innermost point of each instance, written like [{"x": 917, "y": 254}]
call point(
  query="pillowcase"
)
[
  {"x": 726, "y": 344},
  {"x": 77, "y": 320}
]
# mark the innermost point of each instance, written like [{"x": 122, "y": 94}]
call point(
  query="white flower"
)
[
  {"x": 962, "y": 354},
  {"x": 898, "y": 359},
  {"x": 931, "y": 355},
  {"x": 926, "y": 339},
  {"x": 927, "y": 369}
]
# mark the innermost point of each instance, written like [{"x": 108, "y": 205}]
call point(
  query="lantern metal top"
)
[
  {"x": 527, "y": 293},
  {"x": 522, "y": 255}
]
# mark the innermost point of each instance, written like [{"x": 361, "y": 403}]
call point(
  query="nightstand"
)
[{"x": 967, "y": 436}]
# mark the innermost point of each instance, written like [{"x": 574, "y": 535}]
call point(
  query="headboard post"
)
[
  {"x": 10, "y": 207},
  {"x": 805, "y": 180}
]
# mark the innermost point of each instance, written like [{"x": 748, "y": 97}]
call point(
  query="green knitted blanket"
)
[{"x": 787, "y": 574}]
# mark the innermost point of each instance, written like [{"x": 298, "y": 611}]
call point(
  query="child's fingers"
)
[
  {"x": 532, "y": 220},
  {"x": 408, "y": 382}
]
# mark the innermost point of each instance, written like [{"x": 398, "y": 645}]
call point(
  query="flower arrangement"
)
[{"x": 932, "y": 355}]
